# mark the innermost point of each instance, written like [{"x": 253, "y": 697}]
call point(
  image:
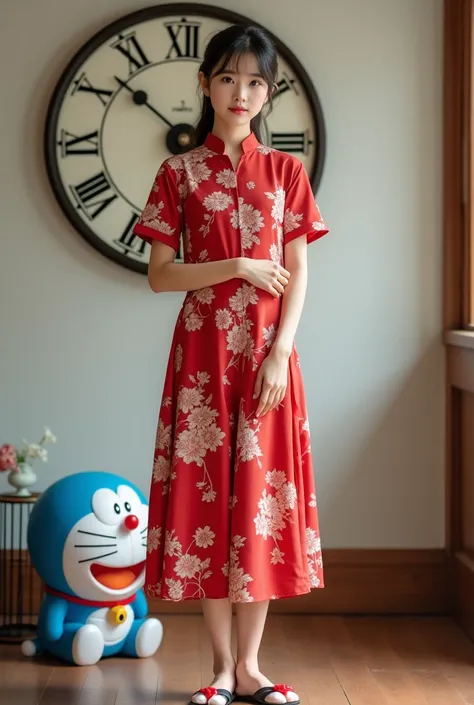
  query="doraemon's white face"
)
[{"x": 104, "y": 553}]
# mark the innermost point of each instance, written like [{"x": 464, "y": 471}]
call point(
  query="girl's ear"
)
[
  {"x": 204, "y": 83},
  {"x": 270, "y": 93}
]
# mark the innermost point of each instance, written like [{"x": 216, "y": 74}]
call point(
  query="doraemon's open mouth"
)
[{"x": 116, "y": 578}]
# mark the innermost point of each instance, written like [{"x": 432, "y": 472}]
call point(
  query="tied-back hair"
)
[{"x": 224, "y": 48}]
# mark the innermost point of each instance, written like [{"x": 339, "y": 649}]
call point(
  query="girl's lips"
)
[{"x": 238, "y": 111}]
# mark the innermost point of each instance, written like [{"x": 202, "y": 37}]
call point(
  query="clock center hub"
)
[{"x": 180, "y": 138}]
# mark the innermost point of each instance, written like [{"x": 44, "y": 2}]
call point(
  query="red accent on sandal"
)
[
  {"x": 209, "y": 692},
  {"x": 283, "y": 688}
]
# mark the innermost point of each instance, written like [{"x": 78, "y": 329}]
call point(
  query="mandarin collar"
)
[{"x": 217, "y": 145}]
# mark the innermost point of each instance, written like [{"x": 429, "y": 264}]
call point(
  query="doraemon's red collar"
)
[
  {"x": 217, "y": 145},
  {"x": 88, "y": 603}
]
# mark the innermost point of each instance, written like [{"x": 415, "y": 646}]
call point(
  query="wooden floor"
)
[{"x": 328, "y": 660}]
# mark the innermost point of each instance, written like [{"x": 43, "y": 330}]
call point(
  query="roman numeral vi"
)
[{"x": 291, "y": 141}]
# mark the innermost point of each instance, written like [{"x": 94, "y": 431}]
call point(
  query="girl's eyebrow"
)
[{"x": 233, "y": 72}]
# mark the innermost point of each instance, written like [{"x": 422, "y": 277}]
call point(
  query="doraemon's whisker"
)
[
  {"x": 94, "y": 545},
  {"x": 96, "y": 558},
  {"x": 145, "y": 529},
  {"x": 91, "y": 533}
]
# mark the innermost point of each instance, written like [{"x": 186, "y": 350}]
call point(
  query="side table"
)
[{"x": 20, "y": 587}]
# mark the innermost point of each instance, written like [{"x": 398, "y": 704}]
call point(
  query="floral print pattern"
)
[{"x": 232, "y": 509}]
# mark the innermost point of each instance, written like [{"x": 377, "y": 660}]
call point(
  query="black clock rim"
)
[{"x": 114, "y": 27}]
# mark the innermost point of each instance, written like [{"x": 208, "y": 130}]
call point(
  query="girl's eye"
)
[
  {"x": 226, "y": 79},
  {"x": 255, "y": 83}
]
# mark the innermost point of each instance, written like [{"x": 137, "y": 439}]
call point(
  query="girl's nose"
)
[
  {"x": 131, "y": 522},
  {"x": 240, "y": 94}
]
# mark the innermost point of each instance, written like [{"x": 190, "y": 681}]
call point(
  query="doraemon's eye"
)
[
  {"x": 107, "y": 506},
  {"x": 130, "y": 500}
]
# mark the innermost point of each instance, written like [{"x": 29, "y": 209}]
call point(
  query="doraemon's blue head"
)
[{"x": 87, "y": 536}]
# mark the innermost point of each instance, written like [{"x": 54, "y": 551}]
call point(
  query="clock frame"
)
[{"x": 85, "y": 201}]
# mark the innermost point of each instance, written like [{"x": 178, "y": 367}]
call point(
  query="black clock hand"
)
[{"x": 141, "y": 98}]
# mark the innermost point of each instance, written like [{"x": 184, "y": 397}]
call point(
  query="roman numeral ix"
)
[{"x": 79, "y": 144}]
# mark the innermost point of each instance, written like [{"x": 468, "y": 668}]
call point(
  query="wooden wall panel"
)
[
  {"x": 467, "y": 472},
  {"x": 460, "y": 481},
  {"x": 358, "y": 581}
]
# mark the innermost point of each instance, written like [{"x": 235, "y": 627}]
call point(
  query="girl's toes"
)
[
  {"x": 275, "y": 698},
  {"x": 199, "y": 699},
  {"x": 217, "y": 700},
  {"x": 282, "y": 693}
]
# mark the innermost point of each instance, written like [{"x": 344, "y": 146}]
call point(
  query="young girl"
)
[{"x": 232, "y": 512}]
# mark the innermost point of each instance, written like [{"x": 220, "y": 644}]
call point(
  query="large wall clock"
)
[{"x": 128, "y": 100}]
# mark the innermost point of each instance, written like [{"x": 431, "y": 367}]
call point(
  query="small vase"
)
[{"x": 22, "y": 478}]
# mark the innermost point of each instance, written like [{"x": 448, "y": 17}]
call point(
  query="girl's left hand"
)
[{"x": 271, "y": 383}]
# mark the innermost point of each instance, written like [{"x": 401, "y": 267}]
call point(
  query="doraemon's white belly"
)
[{"x": 112, "y": 633}]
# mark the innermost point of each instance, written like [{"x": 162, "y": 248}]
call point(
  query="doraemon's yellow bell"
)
[{"x": 117, "y": 614}]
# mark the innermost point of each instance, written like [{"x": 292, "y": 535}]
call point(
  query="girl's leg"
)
[
  {"x": 218, "y": 618},
  {"x": 251, "y": 619}
]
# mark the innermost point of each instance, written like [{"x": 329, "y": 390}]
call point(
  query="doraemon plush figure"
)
[{"x": 87, "y": 541}]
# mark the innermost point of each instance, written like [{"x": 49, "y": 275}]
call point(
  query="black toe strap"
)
[{"x": 260, "y": 695}]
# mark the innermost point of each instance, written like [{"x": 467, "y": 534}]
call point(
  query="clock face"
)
[{"x": 129, "y": 100}]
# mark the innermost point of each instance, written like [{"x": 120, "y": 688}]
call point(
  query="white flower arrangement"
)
[
  {"x": 32, "y": 451},
  {"x": 12, "y": 458}
]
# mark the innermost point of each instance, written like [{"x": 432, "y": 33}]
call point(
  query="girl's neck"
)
[{"x": 232, "y": 138}]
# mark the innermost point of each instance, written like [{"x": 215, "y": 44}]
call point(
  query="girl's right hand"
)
[{"x": 265, "y": 274}]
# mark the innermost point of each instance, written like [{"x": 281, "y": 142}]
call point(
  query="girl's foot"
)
[
  {"x": 251, "y": 681},
  {"x": 224, "y": 680}
]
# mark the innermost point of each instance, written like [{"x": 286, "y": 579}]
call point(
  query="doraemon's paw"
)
[
  {"x": 148, "y": 638},
  {"x": 87, "y": 646},
  {"x": 30, "y": 647}
]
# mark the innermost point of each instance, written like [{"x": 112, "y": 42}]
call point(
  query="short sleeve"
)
[
  {"x": 302, "y": 215},
  {"x": 161, "y": 218}
]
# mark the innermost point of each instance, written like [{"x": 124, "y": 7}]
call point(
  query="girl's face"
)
[{"x": 237, "y": 94}]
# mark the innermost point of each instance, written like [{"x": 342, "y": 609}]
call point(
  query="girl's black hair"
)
[{"x": 229, "y": 44}]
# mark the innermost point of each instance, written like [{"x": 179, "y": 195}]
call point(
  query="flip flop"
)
[
  {"x": 258, "y": 698},
  {"x": 209, "y": 693}
]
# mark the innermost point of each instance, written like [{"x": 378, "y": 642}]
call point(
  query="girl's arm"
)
[
  {"x": 165, "y": 275},
  {"x": 272, "y": 377},
  {"x": 293, "y": 300}
]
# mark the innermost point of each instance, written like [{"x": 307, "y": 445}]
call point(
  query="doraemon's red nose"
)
[{"x": 131, "y": 522}]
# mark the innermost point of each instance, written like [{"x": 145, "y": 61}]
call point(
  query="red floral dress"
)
[{"x": 232, "y": 509}]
